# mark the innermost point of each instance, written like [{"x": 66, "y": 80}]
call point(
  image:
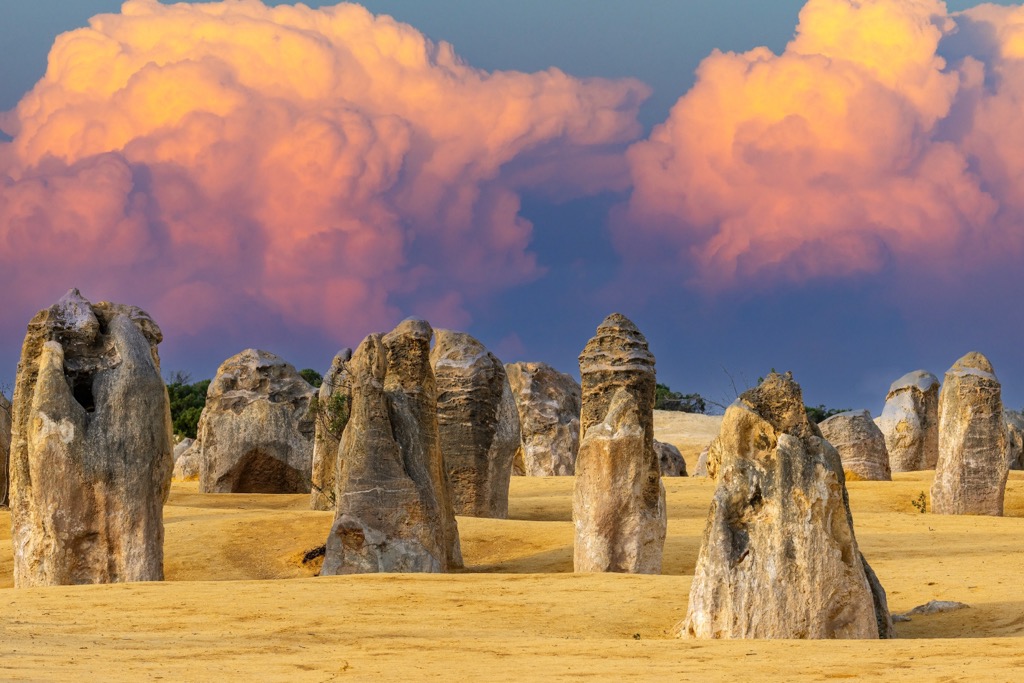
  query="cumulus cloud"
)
[
  {"x": 886, "y": 134},
  {"x": 321, "y": 164}
]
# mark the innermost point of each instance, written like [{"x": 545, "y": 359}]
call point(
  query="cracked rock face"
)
[
  {"x": 332, "y": 414},
  {"x": 618, "y": 508},
  {"x": 970, "y": 477},
  {"x": 779, "y": 557},
  {"x": 860, "y": 443},
  {"x": 91, "y": 453},
  {"x": 910, "y": 422},
  {"x": 255, "y": 434},
  {"x": 394, "y": 511},
  {"x": 478, "y": 424},
  {"x": 548, "y": 403}
]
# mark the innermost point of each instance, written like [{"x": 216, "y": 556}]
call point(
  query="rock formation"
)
[
  {"x": 618, "y": 505},
  {"x": 182, "y": 447},
  {"x": 255, "y": 434},
  {"x": 478, "y": 424},
  {"x": 970, "y": 477},
  {"x": 860, "y": 443},
  {"x": 186, "y": 465},
  {"x": 91, "y": 447},
  {"x": 331, "y": 414},
  {"x": 394, "y": 510},
  {"x": 670, "y": 459},
  {"x": 910, "y": 422},
  {"x": 548, "y": 403},
  {"x": 1014, "y": 439},
  {"x": 779, "y": 558},
  {"x": 5, "y": 451}
]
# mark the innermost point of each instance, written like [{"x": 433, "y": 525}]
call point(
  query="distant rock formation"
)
[
  {"x": 91, "y": 447},
  {"x": 670, "y": 459},
  {"x": 779, "y": 557},
  {"x": 182, "y": 447},
  {"x": 1014, "y": 439},
  {"x": 5, "y": 451},
  {"x": 394, "y": 509},
  {"x": 478, "y": 424},
  {"x": 618, "y": 506},
  {"x": 186, "y": 464},
  {"x": 332, "y": 410},
  {"x": 860, "y": 443},
  {"x": 255, "y": 434},
  {"x": 910, "y": 422},
  {"x": 701, "y": 468},
  {"x": 548, "y": 403},
  {"x": 970, "y": 478}
]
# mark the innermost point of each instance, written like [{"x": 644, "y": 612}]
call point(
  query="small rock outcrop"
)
[
  {"x": 670, "y": 459},
  {"x": 186, "y": 465},
  {"x": 779, "y": 557},
  {"x": 394, "y": 509},
  {"x": 618, "y": 505},
  {"x": 548, "y": 403},
  {"x": 5, "y": 451},
  {"x": 91, "y": 452},
  {"x": 181, "y": 447},
  {"x": 1014, "y": 439},
  {"x": 910, "y": 422},
  {"x": 478, "y": 424},
  {"x": 701, "y": 468},
  {"x": 860, "y": 443},
  {"x": 255, "y": 434},
  {"x": 970, "y": 477},
  {"x": 331, "y": 411}
]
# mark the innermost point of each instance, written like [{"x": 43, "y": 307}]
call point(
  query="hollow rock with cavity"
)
[
  {"x": 332, "y": 407},
  {"x": 548, "y": 403}
]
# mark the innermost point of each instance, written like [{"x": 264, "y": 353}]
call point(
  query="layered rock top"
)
[{"x": 910, "y": 422}]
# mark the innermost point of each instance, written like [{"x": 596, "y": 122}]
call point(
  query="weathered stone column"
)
[
  {"x": 910, "y": 422},
  {"x": 332, "y": 408},
  {"x": 548, "y": 403}
]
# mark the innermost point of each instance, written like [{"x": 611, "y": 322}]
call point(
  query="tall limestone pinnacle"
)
[{"x": 91, "y": 454}]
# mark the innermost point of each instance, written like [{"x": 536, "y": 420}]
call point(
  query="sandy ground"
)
[{"x": 239, "y": 604}]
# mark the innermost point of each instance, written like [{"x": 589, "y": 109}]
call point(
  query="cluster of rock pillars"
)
[{"x": 418, "y": 433}]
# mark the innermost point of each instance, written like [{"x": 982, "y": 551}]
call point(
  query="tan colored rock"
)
[
  {"x": 186, "y": 464},
  {"x": 5, "y": 451},
  {"x": 860, "y": 443},
  {"x": 394, "y": 510},
  {"x": 670, "y": 459},
  {"x": 779, "y": 558},
  {"x": 970, "y": 477},
  {"x": 618, "y": 508},
  {"x": 1014, "y": 439},
  {"x": 91, "y": 447},
  {"x": 478, "y": 424},
  {"x": 910, "y": 422},
  {"x": 548, "y": 403},
  {"x": 701, "y": 469},
  {"x": 332, "y": 409}
]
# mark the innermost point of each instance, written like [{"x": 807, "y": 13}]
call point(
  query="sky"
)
[{"x": 829, "y": 187}]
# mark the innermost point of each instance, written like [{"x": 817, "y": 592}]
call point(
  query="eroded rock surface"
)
[
  {"x": 331, "y": 414},
  {"x": 670, "y": 459},
  {"x": 1014, "y": 439},
  {"x": 5, "y": 451},
  {"x": 619, "y": 511},
  {"x": 910, "y": 422},
  {"x": 478, "y": 424},
  {"x": 779, "y": 558},
  {"x": 91, "y": 453},
  {"x": 970, "y": 477},
  {"x": 548, "y": 403},
  {"x": 394, "y": 510},
  {"x": 255, "y": 434},
  {"x": 860, "y": 443}
]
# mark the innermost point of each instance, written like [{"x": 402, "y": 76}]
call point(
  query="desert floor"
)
[{"x": 239, "y": 604}]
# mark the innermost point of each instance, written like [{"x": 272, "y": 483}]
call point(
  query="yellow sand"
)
[{"x": 240, "y": 605}]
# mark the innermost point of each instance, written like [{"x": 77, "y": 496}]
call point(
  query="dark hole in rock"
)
[{"x": 81, "y": 388}]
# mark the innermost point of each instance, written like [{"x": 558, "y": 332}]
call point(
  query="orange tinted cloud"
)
[
  {"x": 859, "y": 146},
  {"x": 320, "y": 162}
]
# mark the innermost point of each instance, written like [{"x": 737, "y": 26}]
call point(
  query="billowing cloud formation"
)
[
  {"x": 887, "y": 133},
  {"x": 318, "y": 164}
]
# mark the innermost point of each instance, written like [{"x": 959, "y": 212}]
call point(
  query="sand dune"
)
[{"x": 240, "y": 604}]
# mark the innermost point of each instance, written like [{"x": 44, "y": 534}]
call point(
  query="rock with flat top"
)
[
  {"x": 255, "y": 434},
  {"x": 619, "y": 513},
  {"x": 670, "y": 459},
  {"x": 910, "y": 422},
  {"x": 331, "y": 415},
  {"x": 91, "y": 452},
  {"x": 970, "y": 477},
  {"x": 779, "y": 558},
  {"x": 548, "y": 403},
  {"x": 860, "y": 443}
]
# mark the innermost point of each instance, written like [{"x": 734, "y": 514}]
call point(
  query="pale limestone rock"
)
[
  {"x": 181, "y": 447},
  {"x": 670, "y": 459},
  {"x": 478, "y": 424},
  {"x": 860, "y": 443},
  {"x": 1014, "y": 439},
  {"x": 91, "y": 453},
  {"x": 701, "y": 469},
  {"x": 394, "y": 510},
  {"x": 619, "y": 512},
  {"x": 970, "y": 477},
  {"x": 910, "y": 422},
  {"x": 186, "y": 465},
  {"x": 548, "y": 403},
  {"x": 255, "y": 434},
  {"x": 779, "y": 557},
  {"x": 331, "y": 416}
]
